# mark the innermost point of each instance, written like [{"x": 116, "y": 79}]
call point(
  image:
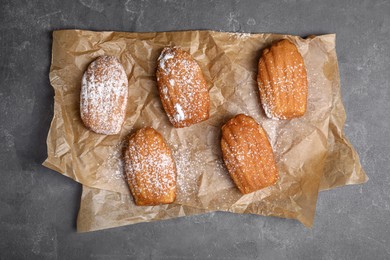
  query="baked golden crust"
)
[
  {"x": 282, "y": 81},
  {"x": 150, "y": 168},
  {"x": 182, "y": 87},
  {"x": 248, "y": 154},
  {"x": 103, "y": 97}
]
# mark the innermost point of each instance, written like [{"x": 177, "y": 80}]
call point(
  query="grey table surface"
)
[{"x": 38, "y": 207}]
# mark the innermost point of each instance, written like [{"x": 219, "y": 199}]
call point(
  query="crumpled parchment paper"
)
[{"x": 311, "y": 151}]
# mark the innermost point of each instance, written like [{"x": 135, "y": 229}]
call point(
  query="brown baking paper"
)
[{"x": 304, "y": 148}]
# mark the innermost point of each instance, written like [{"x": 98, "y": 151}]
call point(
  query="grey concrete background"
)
[{"x": 38, "y": 207}]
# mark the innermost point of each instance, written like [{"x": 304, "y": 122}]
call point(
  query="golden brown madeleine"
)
[
  {"x": 248, "y": 154},
  {"x": 282, "y": 81},
  {"x": 103, "y": 98},
  {"x": 150, "y": 168},
  {"x": 182, "y": 87}
]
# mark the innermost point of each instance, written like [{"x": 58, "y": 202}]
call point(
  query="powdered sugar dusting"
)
[
  {"x": 179, "y": 116},
  {"x": 163, "y": 58},
  {"x": 104, "y": 95},
  {"x": 282, "y": 81},
  {"x": 248, "y": 154},
  {"x": 193, "y": 165},
  {"x": 165, "y": 92},
  {"x": 185, "y": 177},
  {"x": 182, "y": 87},
  {"x": 112, "y": 168},
  {"x": 149, "y": 167},
  {"x": 189, "y": 167},
  {"x": 162, "y": 177},
  {"x": 239, "y": 36}
]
